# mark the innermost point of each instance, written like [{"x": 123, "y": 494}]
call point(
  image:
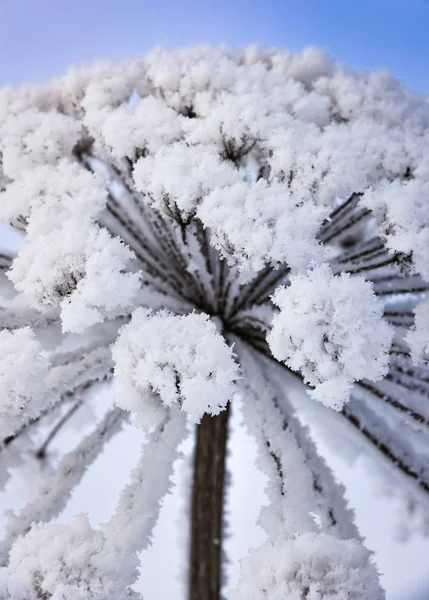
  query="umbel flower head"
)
[
  {"x": 195, "y": 225},
  {"x": 330, "y": 328},
  {"x": 164, "y": 359},
  {"x": 321, "y": 567},
  {"x": 64, "y": 561}
]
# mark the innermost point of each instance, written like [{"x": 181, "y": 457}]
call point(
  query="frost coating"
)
[
  {"x": 46, "y": 196},
  {"x": 317, "y": 567},
  {"x": 181, "y": 174},
  {"x": 67, "y": 260},
  {"x": 176, "y": 359},
  {"x": 256, "y": 223},
  {"x": 248, "y": 150},
  {"x": 23, "y": 371},
  {"x": 330, "y": 328},
  {"x": 402, "y": 209},
  {"x": 80, "y": 269},
  {"x": 148, "y": 126},
  {"x": 418, "y": 336},
  {"x": 61, "y": 562},
  {"x": 33, "y": 138}
]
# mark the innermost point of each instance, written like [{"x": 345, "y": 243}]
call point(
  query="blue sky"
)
[{"x": 40, "y": 38}]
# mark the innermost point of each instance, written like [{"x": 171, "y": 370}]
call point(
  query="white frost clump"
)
[
  {"x": 67, "y": 260},
  {"x": 23, "y": 371},
  {"x": 64, "y": 562},
  {"x": 418, "y": 336},
  {"x": 331, "y": 329},
  {"x": 149, "y": 125},
  {"x": 256, "y": 223},
  {"x": 33, "y": 138},
  {"x": 402, "y": 210},
  {"x": 81, "y": 269},
  {"x": 183, "y": 174},
  {"x": 176, "y": 359},
  {"x": 48, "y": 195},
  {"x": 311, "y": 566}
]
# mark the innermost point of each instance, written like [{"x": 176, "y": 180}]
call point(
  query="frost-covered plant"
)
[
  {"x": 163, "y": 359},
  {"x": 330, "y": 328},
  {"x": 198, "y": 225},
  {"x": 23, "y": 385},
  {"x": 64, "y": 561},
  {"x": 308, "y": 566}
]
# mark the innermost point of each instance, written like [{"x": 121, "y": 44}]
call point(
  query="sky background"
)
[{"x": 39, "y": 39}]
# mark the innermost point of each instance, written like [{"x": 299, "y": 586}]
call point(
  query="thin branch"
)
[{"x": 41, "y": 452}]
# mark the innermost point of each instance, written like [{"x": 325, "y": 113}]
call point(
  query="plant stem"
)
[{"x": 205, "y": 574}]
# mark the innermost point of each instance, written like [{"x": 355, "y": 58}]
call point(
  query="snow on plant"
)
[
  {"x": 161, "y": 359},
  {"x": 310, "y": 552},
  {"x": 146, "y": 127},
  {"x": 78, "y": 561},
  {"x": 175, "y": 207},
  {"x": 331, "y": 329},
  {"x": 80, "y": 266},
  {"x": 319, "y": 566},
  {"x": 64, "y": 561},
  {"x": 24, "y": 390},
  {"x": 48, "y": 195},
  {"x": 418, "y": 336},
  {"x": 402, "y": 208},
  {"x": 34, "y": 137},
  {"x": 193, "y": 173},
  {"x": 257, "y": 223},
  {"x": 81, "y": 269}
]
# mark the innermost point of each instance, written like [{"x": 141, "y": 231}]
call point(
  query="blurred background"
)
[{"x": 39, "y": 39}]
